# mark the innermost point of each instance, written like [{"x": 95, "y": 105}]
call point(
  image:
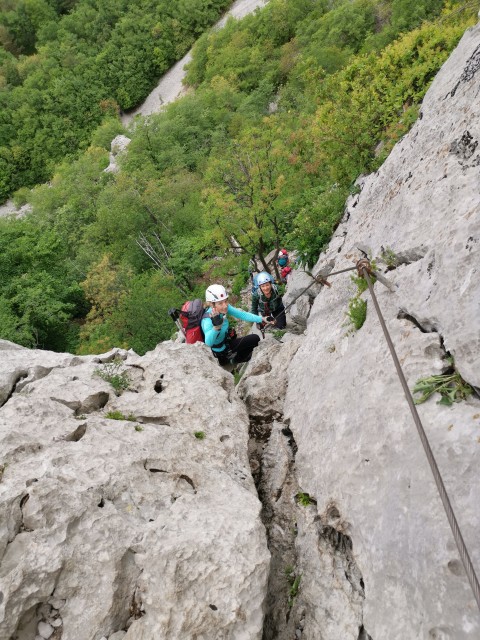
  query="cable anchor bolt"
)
[{"x": 364, "y": 265}]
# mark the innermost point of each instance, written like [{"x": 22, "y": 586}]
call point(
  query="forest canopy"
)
[{"x": 286, "y": 108}]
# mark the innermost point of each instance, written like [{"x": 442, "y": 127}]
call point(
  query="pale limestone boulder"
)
[
  {"x": 264, "y": 384},
  {"x": 298, "y": 281},
  {"x": 299, "y": 311},
  {"x": 128, "y": 525},
  {"x": 300, "y": 293},
  {"x": 118, "y": 146},
  {"x": 359, "y": 454},
  {"x": 20, "y": 365}
]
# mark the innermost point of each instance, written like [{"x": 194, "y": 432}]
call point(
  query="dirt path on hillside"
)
[{"x": 170, "y": 86}]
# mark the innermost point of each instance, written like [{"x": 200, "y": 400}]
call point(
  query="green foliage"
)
[
  {"x": 314, "y": 223},
  {"x": 389, "y": 257},
  {"x": 238, "y": 372},
  {"x": 37, "y": 287},
  {"x": 304, "y": 499},
  {"x": 143, "y": 315},
  {"x": 254, "y": 185},
  {"x": 293, "y": 582},
  {"x": 360, "y": 282},
  {"x": 211, "y": 169},
  {"x": 408, "y": 14},
  {"x": 21, "y": 196},
  {"x": 112, "y": 372},
  {"x": 451, "y": 387},
  {"x": 395, "y": 131},
  {"x": 79, "y": 68},
  {"x": 361, "y": 101},
  {"x": 200, "y": 435},
  {"x": 106, "y": 132},
  {"x": 357, "y": 312},
  {"x": 248, "y": 54},
  {"x": 294, "y": 589},
  {"x": 344, "y": 27},
  {"x": 241, "y": 278},
  {"x": 118, "y": 415},
  {"x": 185, "y": 261},
  {"x": 20, "y": 22}
]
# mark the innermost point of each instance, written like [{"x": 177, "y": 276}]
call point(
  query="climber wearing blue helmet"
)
[{"x": 267, "y": 301}]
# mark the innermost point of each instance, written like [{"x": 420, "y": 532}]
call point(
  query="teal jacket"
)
[{"x": 216, "y": 339}]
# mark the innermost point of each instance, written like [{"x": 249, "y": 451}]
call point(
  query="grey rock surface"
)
[
  {"x": 264, "y": 384},
  {"x": 359, "y": 454},
  {"x": 118, "y": 146},
  {"x": 127, "y": 525}
]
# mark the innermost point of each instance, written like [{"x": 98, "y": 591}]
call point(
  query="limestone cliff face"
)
[
  {"x": 132, "y": 525},
  {"x": 359, "y": 454}
]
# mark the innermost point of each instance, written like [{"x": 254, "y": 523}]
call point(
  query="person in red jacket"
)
[{"x": 284, "y": 264}]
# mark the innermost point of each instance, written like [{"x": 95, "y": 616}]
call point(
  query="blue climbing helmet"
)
[
  {"x": 261, "y": 278},
  {"x": 264, "y": 277}
]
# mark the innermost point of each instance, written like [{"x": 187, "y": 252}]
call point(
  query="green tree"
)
[
  {"x": 144, "y": 313},
  {"x": 254, "y": 188},
  {"x": 20, "y": 21}
]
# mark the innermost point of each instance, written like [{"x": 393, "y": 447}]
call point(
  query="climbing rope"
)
[{"x": 364, "y": 269}]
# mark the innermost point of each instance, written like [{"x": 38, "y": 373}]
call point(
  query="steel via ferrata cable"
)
[{"x": 464, "y": 555}]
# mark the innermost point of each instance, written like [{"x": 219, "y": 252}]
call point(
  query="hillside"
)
[
  {"x": 306, "y": 97},
  {"x": 128, "y": 486}
]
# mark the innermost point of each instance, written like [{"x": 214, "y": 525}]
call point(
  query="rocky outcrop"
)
[
  {"x": 130, "y": 513},
  {"x": 118, "y": 146},
  {"x": 359, "y": 455}
]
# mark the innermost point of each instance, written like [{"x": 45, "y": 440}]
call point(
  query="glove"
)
[{"x": 217, "y": 320}]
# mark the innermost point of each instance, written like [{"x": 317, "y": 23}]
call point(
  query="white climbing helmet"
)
[
  {"x": 263, "y": 277},
  {"x": 215, "y": 293}
]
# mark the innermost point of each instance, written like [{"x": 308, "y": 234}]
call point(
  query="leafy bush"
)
[
  {"x": 112, "y": 372},
  {"x": 357, "y": 312},
  {"x": 98, "y": 58},
  {"x": 451, "y": 387},
  {"x": 315, "y": 223}
]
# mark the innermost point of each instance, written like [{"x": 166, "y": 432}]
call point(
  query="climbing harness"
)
[
  {"x": 318, "y": 279},
  {"x": 365, "y": 270}
]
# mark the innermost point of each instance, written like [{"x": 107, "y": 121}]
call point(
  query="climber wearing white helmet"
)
[
  {"x": 267, "y": 300},
  {"x": 225, "y": 346}
]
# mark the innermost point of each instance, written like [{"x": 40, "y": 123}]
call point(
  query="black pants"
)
[
  {"x": 241, "y": 348},
  {"x": 280, "y": 318}
]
